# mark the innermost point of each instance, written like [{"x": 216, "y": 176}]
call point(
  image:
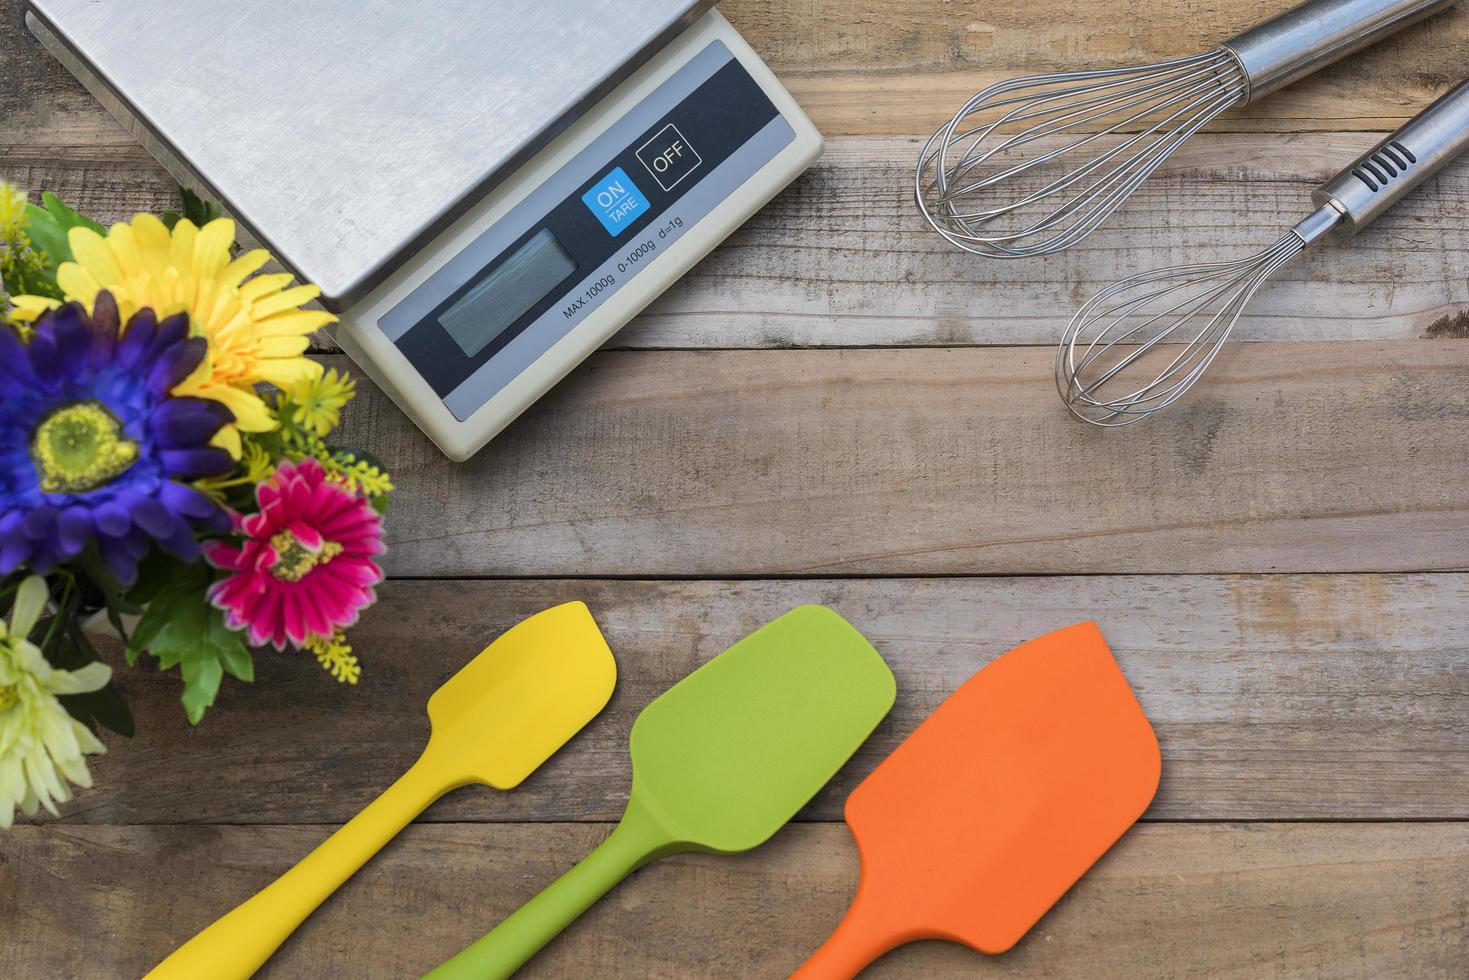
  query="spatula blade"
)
[
  {"x": 1003, "y": 797},
  {"x": 730, "y": 753},
  {"x": 509, "y": 709}
]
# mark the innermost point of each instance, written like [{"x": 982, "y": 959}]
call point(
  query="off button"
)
[{"x": 669, "y": 157}]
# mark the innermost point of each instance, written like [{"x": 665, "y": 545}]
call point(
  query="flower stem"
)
[{"x": 61, "y": 611}]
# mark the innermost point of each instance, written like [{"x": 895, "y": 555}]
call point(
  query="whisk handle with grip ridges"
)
[
  {"x": 1382, "y": 176},
  {"x": 1301, "y": 40}
]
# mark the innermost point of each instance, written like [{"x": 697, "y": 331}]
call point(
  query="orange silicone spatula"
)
[{"x": 996, "y": 804}]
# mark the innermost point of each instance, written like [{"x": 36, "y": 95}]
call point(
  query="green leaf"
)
[
  {"x": 196, "y": 209},
  {"x": 100, "y": 574},
  {"x": 201, "y": 683},
  {"x": 155, "y": 572},
  {"x": 180, "y": 591},
  {"x": 68, "y": 218},
  {"x": 75, "y": 650},
  {"x": 65, "y": 608},
  {"x": 229, "y": 646},
  {"x": 184, "y": 633},
  {"x": 115, "y": 618},
  {"x": 241, "y": 497},
  {"x": 105, "y": 707},
  {"x": 47, "y": 236},
  {"x": 203, "y": 664},
  {"x": 9, "y": 585},
  {"x": 154, "y": 618},
  {"x": 181, "y": 629},
  {"x": 48, "y": 224}
]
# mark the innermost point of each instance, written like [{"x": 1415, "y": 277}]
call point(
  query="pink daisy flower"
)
[{"x": 305, "y": 568}]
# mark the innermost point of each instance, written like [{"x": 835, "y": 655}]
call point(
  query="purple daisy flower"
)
[{"x": 94, "y": 448}]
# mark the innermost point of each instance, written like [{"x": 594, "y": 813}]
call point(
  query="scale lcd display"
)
[{"x": 514, "y": 285}]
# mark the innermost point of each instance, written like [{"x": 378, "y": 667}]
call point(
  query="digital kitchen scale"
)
[{"x": 484, "y": 191}]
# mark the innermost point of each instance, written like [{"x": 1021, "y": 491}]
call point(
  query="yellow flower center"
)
[
  {"x": 79, "y": 447},
  {"x": 9, "y": 696},
  {"x": 294, "y": 561}
]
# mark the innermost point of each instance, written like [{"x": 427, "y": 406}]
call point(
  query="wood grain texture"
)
[
  {"x": 1283, "y": 900},
  {"x": 1314, "y": 457},
  {"x": 876, "y": 67},
  {"x": 842, "y": 258},
  {"x": 1274, "y": 697}
]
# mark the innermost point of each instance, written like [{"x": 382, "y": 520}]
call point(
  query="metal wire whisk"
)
[
  {"x": 1140, "y": 344},
  {"x": 1015, "y": 194},
  {"x": 1034, "y": 165}
]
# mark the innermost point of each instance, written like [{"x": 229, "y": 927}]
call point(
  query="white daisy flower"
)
[{"x": 42, "y": 748}]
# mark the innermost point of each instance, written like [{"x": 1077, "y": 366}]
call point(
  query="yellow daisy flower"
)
[
  {"x": 256, "y": 330},
  {"x": 318, "y": 402},
  {"x": 42, "y": 748},
  {"x": 257, "y": 463}
]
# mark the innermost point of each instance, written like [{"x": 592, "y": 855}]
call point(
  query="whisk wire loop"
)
[
  {"x": 1199, "y": 80},
  {"x": 963, "y": 182},
  {"x": 1107, "y": 369}
]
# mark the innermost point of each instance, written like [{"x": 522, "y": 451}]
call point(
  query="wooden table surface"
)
[{"x": 837, "y": 407}]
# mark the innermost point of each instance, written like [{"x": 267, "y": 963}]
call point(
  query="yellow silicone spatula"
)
[{"x": 506, "y": 712}]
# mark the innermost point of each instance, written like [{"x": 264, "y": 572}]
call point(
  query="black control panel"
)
[{"x": 548, "y": 266}]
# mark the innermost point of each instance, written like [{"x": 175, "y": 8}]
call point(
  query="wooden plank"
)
[
  {"x": 874, "y": 67},
  {"x": 870, "y": 67},
  {"x": 1274, "y": 697},
  {"x": 843, "y": 260},
  {"x": 1300, "y": 457},
  {"x": 1344, "y": 900}
]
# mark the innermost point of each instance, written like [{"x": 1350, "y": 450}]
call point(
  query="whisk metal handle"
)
[
  {"x": 1294, "y": 44},
  {"x": 1379, "y": 178}
]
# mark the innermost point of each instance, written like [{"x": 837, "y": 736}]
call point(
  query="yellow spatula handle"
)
[{"x": 237, "y": 945}]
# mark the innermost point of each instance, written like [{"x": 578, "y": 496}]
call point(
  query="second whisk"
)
[
  {"x": 1139, "y": 345},
  {"x": 1033, "y": 165}
]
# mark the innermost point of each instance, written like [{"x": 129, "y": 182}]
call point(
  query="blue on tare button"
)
[{"x": 616, "y": 201}]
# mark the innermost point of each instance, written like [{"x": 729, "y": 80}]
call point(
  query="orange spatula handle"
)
[{"x": 858, "y": 941}]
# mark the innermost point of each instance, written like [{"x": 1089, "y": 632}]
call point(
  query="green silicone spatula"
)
[{"x": 720, "y": 762}]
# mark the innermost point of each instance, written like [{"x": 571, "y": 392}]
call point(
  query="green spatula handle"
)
[{"x": 507, "y": 947}]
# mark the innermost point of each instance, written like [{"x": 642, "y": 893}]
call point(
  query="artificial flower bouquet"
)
[{"x": 166, "y": 468}]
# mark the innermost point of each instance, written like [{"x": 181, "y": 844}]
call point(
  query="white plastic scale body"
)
[{"x": 467, "y": 323}]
